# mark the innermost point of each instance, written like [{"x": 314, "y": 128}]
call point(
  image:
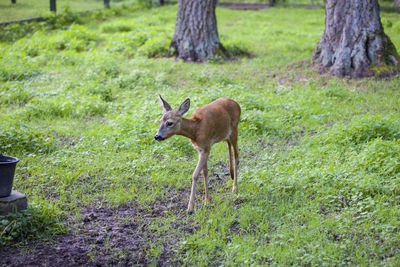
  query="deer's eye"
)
[{"x": 169, "y": 124}]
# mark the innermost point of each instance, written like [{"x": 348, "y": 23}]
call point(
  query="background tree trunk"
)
[
  {"x": 196, "y": 36},
  {"x": 353, "y": 39},
  {"x": 271, "y": 2},
  {"x": 397, "y": 5}
]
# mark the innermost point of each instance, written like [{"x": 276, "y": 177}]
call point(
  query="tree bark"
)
[
  {"x": 196, "y": 35},
  {"x": 353, "y": 39}
]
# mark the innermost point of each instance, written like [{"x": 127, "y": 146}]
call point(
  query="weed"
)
[
  {"x": 34, "y": 223},
  {"x": 236, "y": 48},
  {"x": 21, "y": 138},
  {"x": 363, "y": 129},
  {"x": 381, "y": 157}
]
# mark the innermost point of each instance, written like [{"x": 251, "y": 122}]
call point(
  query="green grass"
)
[
  {"x": 25, "y": 9},
  {"x": 318, "y": 177}
]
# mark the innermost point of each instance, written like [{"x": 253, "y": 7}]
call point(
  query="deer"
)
[{"x": 209, "y": 124}]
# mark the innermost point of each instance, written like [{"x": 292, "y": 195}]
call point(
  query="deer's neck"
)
[{"x": 188, "y": 128}]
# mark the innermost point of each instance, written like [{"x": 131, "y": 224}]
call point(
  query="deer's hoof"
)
[{"x": 234, "y": 190}]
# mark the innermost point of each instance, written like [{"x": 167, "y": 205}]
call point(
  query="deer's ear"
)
[
  {"x": 184, "y": 107},
  {"x": 166, "y": 107}
]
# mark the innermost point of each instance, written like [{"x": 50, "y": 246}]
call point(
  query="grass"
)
[
  {"x": 24, "y": 9},
  {"x": 319, "y": 175}
]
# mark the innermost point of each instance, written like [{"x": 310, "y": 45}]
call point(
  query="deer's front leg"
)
[{"x": 200, "y": 164}]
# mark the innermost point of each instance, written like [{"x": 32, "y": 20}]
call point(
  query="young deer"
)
[{"x": 210, "y": 124}]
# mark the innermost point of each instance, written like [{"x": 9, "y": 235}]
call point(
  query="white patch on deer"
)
[{"x": 228, "y": 135}]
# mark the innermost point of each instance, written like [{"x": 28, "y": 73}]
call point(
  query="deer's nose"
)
[{"x": 158, "y": 137}]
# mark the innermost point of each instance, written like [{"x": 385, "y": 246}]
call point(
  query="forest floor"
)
[
  {"x": 243, "y": 6},
  {"x": 109, "y": 237},
  {"x": 257, "y": 6}
]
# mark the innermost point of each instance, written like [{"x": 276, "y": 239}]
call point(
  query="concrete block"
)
[{"x": 13, "y": 203}]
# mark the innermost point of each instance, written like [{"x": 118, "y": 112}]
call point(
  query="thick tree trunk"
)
[
  {"x": 196, "y": 36},
  {"x": 353, "y": 39}
]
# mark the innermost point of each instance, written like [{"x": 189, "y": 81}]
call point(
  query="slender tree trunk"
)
[
  {"x": 196, "y": 35},
  {"x": 53, "y": 6},
  {"x": 397, "y": 5},
  {"x": 353, "y": 39},
  {"x": 271, "y": 2}
]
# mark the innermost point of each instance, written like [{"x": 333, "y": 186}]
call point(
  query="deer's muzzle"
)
[{"x": 159, "y": 137}]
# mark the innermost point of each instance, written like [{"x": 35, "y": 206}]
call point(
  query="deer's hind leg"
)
[
  {"x": 229, "y": 145},
  {"x": 233, "y": 141},
  {"x": 205, "y": 174}
]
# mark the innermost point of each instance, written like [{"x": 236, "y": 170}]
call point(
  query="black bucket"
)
[{"x": 7, "y": 171}]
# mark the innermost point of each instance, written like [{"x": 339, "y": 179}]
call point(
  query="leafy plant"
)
[
  {"x": 71, "y": 106},
  {"x": 19, "y": 66},
  {"x": 155, "y": 46},
  {"x": 19, "y": 138},
  {"x": 14, "y": 94},
  {"x": 117, "y": 28},
  {"x": 381, "y": 157},
  {"x": 36, "y": 222},
  {"x": 236, "y": 48},
  {"x": 362, "y": 130},
  {"x": 76, "y": 37}
]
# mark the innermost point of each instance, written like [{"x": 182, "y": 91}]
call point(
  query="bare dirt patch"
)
[
  {"x": 257, "y": 6},
  {"x": 124, "y": 236},
  {"x": 243, "y": 6}
]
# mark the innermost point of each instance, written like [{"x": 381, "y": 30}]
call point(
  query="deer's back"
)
[
  {"x": 217, "y": 120},
  {"x": 221, "y": 108}
]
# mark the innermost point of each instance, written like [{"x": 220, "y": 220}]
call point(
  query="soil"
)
[
  {"x": 123, "y": 236},
  {"x": 243, "y": 6},
  {"x": 257, "y": 6}
]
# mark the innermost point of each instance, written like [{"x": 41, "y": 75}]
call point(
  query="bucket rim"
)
[{"x": 8, "y": 160}]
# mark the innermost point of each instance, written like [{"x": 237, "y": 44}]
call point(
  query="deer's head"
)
[{"x": 170, "y": 122}]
